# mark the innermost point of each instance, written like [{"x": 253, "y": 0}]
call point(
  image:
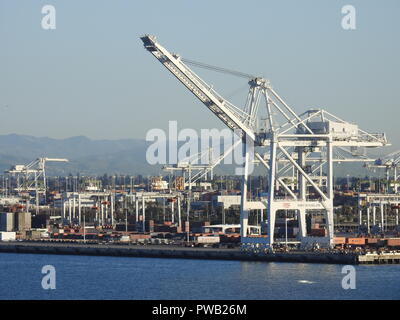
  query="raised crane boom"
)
[
  {"x": 232, "y": 116},
  {"x": 285, "y": 133}
]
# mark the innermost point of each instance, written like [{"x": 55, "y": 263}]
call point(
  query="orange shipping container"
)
[
  {"x": 393, "y": 242},
  {"x": 358, "y": 241},
  {"x": 139, "y": 236},
  {"x": 339, "y": 240}
]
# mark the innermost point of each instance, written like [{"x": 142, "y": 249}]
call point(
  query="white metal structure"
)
[
  {"x": 222, "y": 228},
  {"x": 388, "y": 205},
  {"x": 36, "y": 170},
  {"x": 390, "y": 164},
  {"x": 200, "y": 165},
  {"x": 141, "y": 198},
  {"x": 31, "y": 174},
  {"x": 284, "y": 133}
]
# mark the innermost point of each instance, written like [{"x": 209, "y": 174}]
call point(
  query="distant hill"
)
[{"x": 87, "y": 156}]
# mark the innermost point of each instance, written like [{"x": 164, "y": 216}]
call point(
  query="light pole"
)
[
  {"x": 84, "y": 227},
  {"x": 126, "y": 220},
  {"x": 187, "y": 217},
  {"x": 286, "y": 229},
  {"x": 188, "y": 200}
]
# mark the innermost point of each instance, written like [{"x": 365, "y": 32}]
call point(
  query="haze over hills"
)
[
  {"x": 97, "y": 157},
  {"x": 86, "y": 156}
]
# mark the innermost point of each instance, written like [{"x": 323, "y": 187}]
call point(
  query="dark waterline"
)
[{"x": 91, "y": 277}]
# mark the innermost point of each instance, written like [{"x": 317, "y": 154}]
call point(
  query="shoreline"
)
[
  {"x": 177, "y": 252},
  {"x": 160, "y": 251}
]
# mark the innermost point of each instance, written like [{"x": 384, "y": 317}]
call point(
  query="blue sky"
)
[{"x": 91, "y": 76}]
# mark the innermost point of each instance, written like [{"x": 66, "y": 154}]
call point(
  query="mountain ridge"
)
[{"x": 86, "y": 156}]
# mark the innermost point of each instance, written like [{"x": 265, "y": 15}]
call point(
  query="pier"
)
[
  {"x": 159, "y": 251},
  {"x": 383, "y": 258}
]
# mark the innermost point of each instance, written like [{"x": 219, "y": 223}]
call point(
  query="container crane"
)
[
  {"x": 31, "y": 174},
  {"x": 389, "y": 163},
  {"x": 283, "y": 132},
  {"x": 198, "y": 166}
]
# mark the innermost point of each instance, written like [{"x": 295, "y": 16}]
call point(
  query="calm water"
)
[{"x": 80, "y": 277}]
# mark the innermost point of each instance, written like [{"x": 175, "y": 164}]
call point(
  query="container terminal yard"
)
[{"x": 294, "y": 211}]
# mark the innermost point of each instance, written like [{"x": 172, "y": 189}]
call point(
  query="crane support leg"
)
[
  {"x": 374, "y": 216},
  {"x": 137, "y": 209},
  {"x": 244, "y": 213},
  {"x": 329, "y": 201},
  {"x": 329, "y": 223},
  {"x": 271, "y": 212},
  {"x": 302, "y": 222}
]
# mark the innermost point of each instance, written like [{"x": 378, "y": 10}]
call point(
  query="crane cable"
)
[{"x": 219, "y": 69}]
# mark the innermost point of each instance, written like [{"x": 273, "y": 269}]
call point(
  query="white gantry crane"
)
[
  {"x": 390, "y": 164},
  {"x": 31, "y": 174},
  {"x": 282, "y": 133},
  {"x": 200, "y": 165}
]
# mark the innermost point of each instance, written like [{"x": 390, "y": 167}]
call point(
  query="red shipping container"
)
[{"x": 318, "y": 232}]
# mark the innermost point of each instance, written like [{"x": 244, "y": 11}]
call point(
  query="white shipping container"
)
[
  {"x": 206, "y": 239},
  {"x": 125, "y": 238},
  {"x": 7, "y": 236}
]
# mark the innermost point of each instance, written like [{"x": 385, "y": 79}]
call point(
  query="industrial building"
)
[
  {"x": 7, "y": 221},
  {"x": 23, "y": 221}
]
